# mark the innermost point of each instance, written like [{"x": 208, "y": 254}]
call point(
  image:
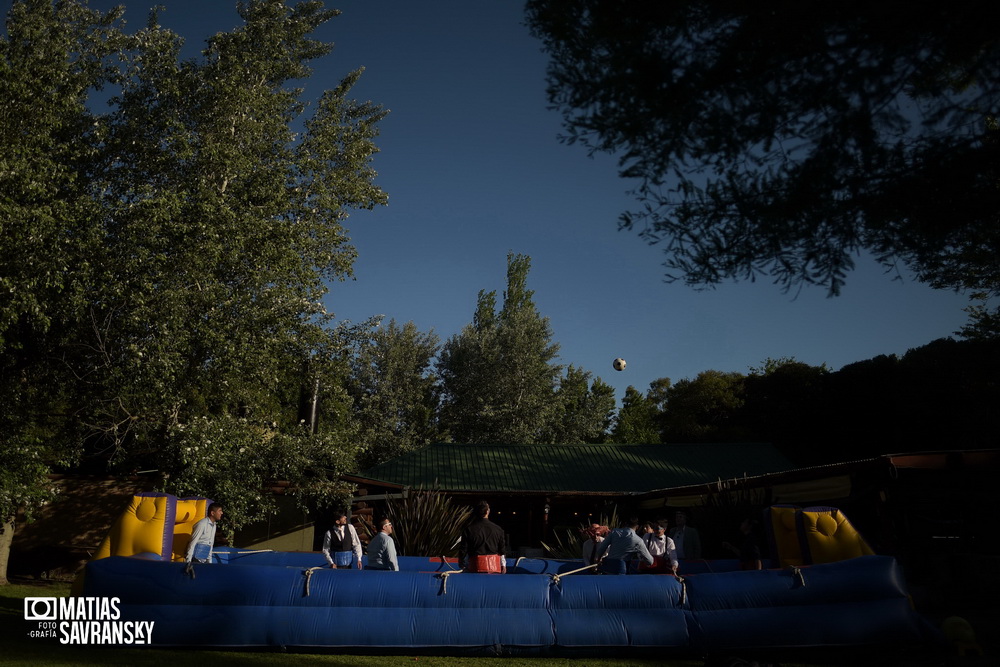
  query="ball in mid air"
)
[{"x": 619, "y": 364}]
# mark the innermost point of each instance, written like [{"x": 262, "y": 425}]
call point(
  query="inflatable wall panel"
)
[
  {"x": 831, "y": 537},
  {"x": 782, "y": 522},
  {"x": 855, "y": 602},
  {"x": 813, "y": 535},
  {"x": 189, "y": 512},
  {"x": 145, "y": 527},
  {"x": 154, "y": 525}
]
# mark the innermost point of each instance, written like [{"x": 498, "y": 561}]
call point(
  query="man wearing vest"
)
[
  {"x": 341, "y": 545},
  {"x": 482, "y": 548}
]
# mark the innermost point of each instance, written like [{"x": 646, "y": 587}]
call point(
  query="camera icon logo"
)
[{"x": 41, "y": 609}]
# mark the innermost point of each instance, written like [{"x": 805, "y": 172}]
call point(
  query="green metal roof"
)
[{"x": 577, "y": 468}]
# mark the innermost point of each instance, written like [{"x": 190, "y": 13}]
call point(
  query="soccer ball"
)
[{"x": 619, "y": 364}]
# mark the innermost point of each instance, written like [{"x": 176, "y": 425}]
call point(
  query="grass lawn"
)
[{"x": 16, "y": 648}]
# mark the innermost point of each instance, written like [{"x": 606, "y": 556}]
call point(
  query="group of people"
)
[
  {"x": 342, "y": 546},
  {"x": 481, "y": 548},
  {"x": 657, "y": 547}
]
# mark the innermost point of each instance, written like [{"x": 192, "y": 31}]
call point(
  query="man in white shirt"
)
[
  {"x": 341, "y": 545},
  {"x": 661, "y": 548},
  {"x": 203, "y": 536}
]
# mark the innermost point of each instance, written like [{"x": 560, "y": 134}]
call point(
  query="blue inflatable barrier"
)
[{"x": 292, "y": 600}]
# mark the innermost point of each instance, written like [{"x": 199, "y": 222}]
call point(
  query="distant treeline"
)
[{"x": 941, "y": 396}]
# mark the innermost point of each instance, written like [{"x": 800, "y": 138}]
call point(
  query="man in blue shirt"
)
[
  {"x": 203, "y": 536},
  {"x": 621, "y": 545},
  {"x": 382, "y": 550}
]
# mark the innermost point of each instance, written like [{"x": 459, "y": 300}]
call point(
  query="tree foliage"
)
[
  {"x": 396, "y": 393},
  {"x": 498, "y": 374},
  {"x": 781, "y": 139},
  {"x": 584, "y": 409},
  {"x": 704, "y": 409},
  {"x": 636, "y": 421},
  {"x": 501, "y": 383},
  {"x": 51, "y": 58},
  {"x": 167, "y": 259}
]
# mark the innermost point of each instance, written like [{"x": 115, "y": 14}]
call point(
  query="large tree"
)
[
  {"x": 395, "y": 392},
  {"x": 181, "y": 244},
  {"x": 226, "y": 205},
  {"x": 636, "y": 422},
  {"x": 498, "y": 374},
  {"x": 782, "y": 139},
  {"x": 584, "y": 409},
  {"x": 705, "y": 409},
  {"x": 52, "y": 57}
]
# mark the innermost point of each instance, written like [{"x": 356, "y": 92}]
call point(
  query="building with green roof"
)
[{"x": 535, "y": 487}]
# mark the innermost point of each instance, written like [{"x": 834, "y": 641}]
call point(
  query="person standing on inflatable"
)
[
  {"x": 482, "y": 548},
  {"x": 382, "y": 550},
  {"x": 341, "y": 545},
  {"x": 620, "y": 545},
  {"x": 203, "y": 536}
]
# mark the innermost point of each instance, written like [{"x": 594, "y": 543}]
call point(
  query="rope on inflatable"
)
[
  {"x": 684, "y": 589},
  {"x": 308, "y": 575},
  {"x": 557, "y": 577},
  {"x": 259, "y": 551},
  {"x": 443, "y": 576},
  {"x": 797, "y": 573}
]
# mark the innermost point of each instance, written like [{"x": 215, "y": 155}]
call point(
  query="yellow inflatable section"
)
[
  {"x": 155, "y": 525},
  {"x": 814, "y": 535},
  {"x": 785, "y": 535},
  {"x": 189, "y": 512},
  {"x": 142, "y": 528}
]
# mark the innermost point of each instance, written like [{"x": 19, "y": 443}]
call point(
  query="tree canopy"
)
[
  {"x": 167, "y": 259},
  {"x": 501, "y": 383},
  {"x": 781, "y": 139}
]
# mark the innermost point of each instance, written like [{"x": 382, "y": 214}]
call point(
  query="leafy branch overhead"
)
[{"x": 780, "y": 139}]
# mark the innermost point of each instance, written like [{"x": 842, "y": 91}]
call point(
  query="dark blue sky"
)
[{"x": 473, "y": 168}]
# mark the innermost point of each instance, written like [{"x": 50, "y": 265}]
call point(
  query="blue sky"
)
[{"x": 473, "y": 168}]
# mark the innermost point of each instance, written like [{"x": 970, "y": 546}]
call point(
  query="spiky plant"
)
[{"x": 426, "y": 523}]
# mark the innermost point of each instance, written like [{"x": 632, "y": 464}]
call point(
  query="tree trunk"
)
[{"x": 6, "y": 538}]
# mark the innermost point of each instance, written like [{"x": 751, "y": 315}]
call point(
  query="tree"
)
[
  {"x": 636, "y": 422},
  {"x": 584, "y": 409},
  {"x": 984, "y": 322},
  {"x": 782, "y": 139},
  {"x": 785, "y": 401},
  {"x": 191, "y": 233},
  {"x": 705, "y": 409},
  {"x": 395, "y": 392},
  {"x": 498, "y": 374},
  {"x": 51, "y": 58},
  {"x": 223, "y": 225}
]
